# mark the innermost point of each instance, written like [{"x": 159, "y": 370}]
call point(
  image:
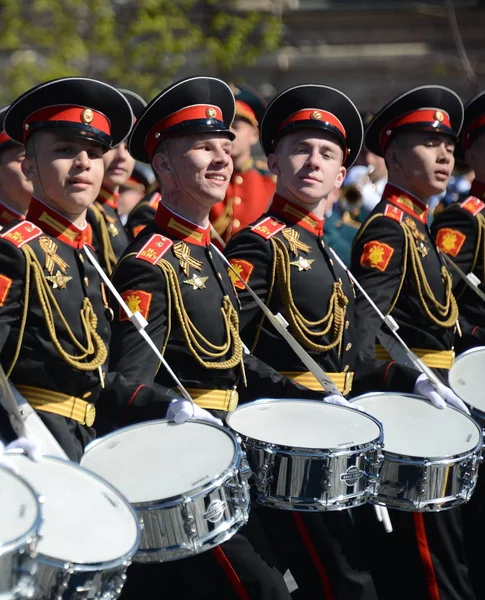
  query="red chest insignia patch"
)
[
  {"x": 156, "y": 247},
  {"x": 22, "y": 233},
  {"x": 450, "y": 241},
  {"x": 137, "y": 301},
  {"x": 5, "y": 285},
  {"x": 393, "y": 212},
  {"x": 376, "y": 255},
  {"x": 473, "y": 205},
  {"x": 243, "y": 268},
  {"x": 268, "y": 227}
]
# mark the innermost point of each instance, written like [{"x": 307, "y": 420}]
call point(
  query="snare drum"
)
[
  {"x": 308, "y": 455},
  {"x": 467, "y": 379},
  {"x": 20, "y": 521},
  {"x": 89, "y": 531},
  {"x": 430, "y": 456},
  {"x": 186, "y": 481}
]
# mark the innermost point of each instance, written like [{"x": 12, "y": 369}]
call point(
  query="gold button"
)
[
  {"x": 90, "y": 415},
  {"x": 347, "y": 323},
  {"x": 331, "y": 261},
  {"x": 237, "y": 200},
  {"x": 238, "y": 180},
  {"x": 86, "y": 281},
  {"x": 220, "y": 276},
  {"x": 346, "y": 368},
  {"x": 81, "y": 258},
  {"x": 348, "y": 347},
  {"x": 340, "y": 280},
  {"x": 236, "y": 222}
]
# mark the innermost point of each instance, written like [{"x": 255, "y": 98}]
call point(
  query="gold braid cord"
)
[
  {"x": 107, "y": 251},
  {"x": 95, "y": 346},
  {"x": 333, "y": 321},
  {"x": 197, "y": 344},
  {"x": 443, "y": 315}
]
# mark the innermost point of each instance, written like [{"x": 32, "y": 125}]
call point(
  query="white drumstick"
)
[
  {"x": 383, "y": 517},
  {"x": 377, "y": 510}
]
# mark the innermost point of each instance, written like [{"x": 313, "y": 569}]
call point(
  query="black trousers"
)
[
  {"x": 422, "y": 559},
  {"x": 243, "y": 568},
  {"x": 323, "y": 553},
  {"x": 474, "y": 532}
]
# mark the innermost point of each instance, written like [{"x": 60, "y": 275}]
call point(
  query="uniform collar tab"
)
[
  {"x": 297, "y": 215},
  {"x": 180, "y": 227},
  {"x": 56, "y": 225},
  {"x": 406, "y": 202}
]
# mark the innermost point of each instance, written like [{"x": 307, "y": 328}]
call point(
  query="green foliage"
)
[{"x": 135, "y": 44}]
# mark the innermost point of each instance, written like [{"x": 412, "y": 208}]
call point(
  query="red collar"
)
[
  {"x": 406, "y": 202},
  {"x": 8, "y": 214},
  {"x": 297, "y": 215},
  {"x": 478, "y": 189},
  {"x": 56, "y": 225},
  {"x": 181, "y": 228},
  {"x": 108, "y": 196}
]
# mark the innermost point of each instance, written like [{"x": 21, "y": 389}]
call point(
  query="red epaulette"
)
[
  {"x": 393, "y": 212},
  {"x": 155, "y": 248},
  {"x": 268, "y": 227},
  {"x": 22, "y": 233},
  {"x": 473, "y": 205}
]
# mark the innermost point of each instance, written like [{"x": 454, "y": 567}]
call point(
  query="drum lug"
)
[
  {"x": 266, "y": 472},
  {"x": 188, "y": 518}
]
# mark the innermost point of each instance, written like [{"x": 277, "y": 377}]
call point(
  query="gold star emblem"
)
[
  {"x": 197, "y": 282},
  {"x": 58, "y": 280},
  {"x": 303, "y": 264}
]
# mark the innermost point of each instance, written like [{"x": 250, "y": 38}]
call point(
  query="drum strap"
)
[
  {"x": 342, "y": 380},
  {"x": 435, "y": 359},
  {"x": 60, "y": 404}
]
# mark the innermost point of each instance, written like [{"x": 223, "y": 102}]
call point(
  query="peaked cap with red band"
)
[
  {"x": 5, "y": 140},
  {"x": 137, "y": 103},
  {"x": 313, "y": 106},
  {"x": 190, "y": 106},
  {"x": 250, "y": 104},
  {"x": 79, "y": 106},
  {"x": 474, "y": 122},
  {"x": 427, "y": 108}
]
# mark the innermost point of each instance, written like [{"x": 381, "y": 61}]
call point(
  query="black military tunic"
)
[
  {"x": 395, "y": 259},
  {"x": 459, "y": 231},
  {"x": 142, "y": 214},
  {"x": 54, "y": 329},
  {"x": 109, "y": 237}
]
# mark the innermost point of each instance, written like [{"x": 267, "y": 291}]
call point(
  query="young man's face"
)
[
  {"x": 201, "y": 166},
  {"x": 118, "y": 165},
  {"x": 246, "y": 136},
  {"x": 308, "y": 164},
  {"x": 424, "y": 162},
  {"x": 14, "y": 185},
  {"x": 475, "y": 157},
  {"x": 66, "y": 172}
]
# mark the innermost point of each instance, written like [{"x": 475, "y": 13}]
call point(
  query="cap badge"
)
[
  {"x": 316, "y": 115},
  {"x": 211, "y": 113},
  {"x": 87, "y": 116},
  {"x": 439, "y": 116}
]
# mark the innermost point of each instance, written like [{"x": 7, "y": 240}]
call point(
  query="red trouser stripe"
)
[
  {"x": 425, "y": 555},
  {"x": 231, "y": 574},
  {"x": 312, "y": 551}
]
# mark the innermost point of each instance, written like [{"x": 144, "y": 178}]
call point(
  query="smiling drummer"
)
[{"x": 396, "y": 261}]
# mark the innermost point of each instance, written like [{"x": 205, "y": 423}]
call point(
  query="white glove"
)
[
  {"x": 441, "y": 397},
  {"x": 30, "y": 448},
  {"x": 338, "y": 399},
  {"x": 181, "y": 409}
]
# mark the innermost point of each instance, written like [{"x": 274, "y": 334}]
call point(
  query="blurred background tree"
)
[{"x": 135, "y": 44}]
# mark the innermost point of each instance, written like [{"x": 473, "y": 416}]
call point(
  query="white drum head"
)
[
  {"x": 160, "y": 459},
  {"x": 85, "y": 521},
  {"x": 414, "y": 427},
  {"x": 467, "y": 377},
  {"x": 303, "y": 424},
  {"x": 20, "y": 513}
]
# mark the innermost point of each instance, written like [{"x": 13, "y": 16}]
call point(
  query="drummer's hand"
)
[
  {"x": 337, "y": 399},
  {"x": 181, "y": 409},
  {"x": 441, "y": 397},
  {"x": 30, "y": 448}
]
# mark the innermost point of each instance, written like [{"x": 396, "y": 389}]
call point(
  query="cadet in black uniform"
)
[
  {"x": 459, "y": 231},
  {"x": 396, "y": 261},
  {"x": 109, "y": 237},
  {"x": 54, "y": 328},
  {"x": 181, "y": 287}
]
